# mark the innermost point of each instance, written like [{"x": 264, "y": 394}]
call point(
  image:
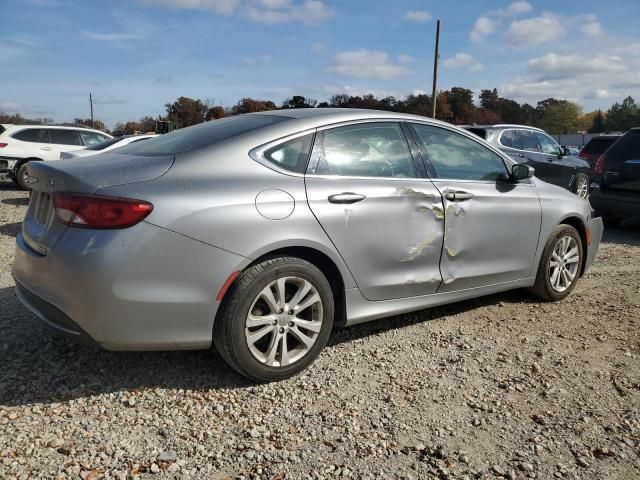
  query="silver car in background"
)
[{"x": 258, "y": 233}]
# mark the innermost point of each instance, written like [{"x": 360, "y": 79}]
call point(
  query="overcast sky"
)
[{"x": 137, "y": 55}]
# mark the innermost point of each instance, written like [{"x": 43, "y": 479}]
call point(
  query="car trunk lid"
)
[{"x": 40, "y": 228}]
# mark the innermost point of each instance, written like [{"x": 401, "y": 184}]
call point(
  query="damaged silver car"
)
[{"x": 258, "y": 233}]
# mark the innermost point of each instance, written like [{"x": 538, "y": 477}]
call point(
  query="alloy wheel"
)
[
  {"x": 564, "y": 263},
  {"x": 582, "y": 188},
  {"x": 284, "y": 321}
]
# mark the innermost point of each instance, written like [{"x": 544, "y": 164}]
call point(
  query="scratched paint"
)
[
  {"x": 90, "y": 247},
  {"x": 413, "y": 193},
  {"x": 347, "y": 217},
  {"x": 415, "y": 251}
]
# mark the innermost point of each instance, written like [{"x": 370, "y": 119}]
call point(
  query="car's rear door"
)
[
  {"x": 63, "y": 140},
  {"x": 491, "y": 223},
  {"x": 375, "y": 204}
]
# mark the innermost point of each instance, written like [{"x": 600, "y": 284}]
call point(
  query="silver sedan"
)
[{"x": 258, "y": 233}]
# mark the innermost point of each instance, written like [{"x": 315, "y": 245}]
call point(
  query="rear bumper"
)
[
  {"x": 7, "y": 166},
  {"x": 596, "y": 228},
  {"x": 142, "y": 288},
  {"x": 615, "y": 204}
]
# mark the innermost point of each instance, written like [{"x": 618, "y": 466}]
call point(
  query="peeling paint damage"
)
[{"x": 415, "y": 251}]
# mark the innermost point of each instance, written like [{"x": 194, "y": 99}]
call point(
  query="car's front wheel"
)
[
  {"x": 275, "y": 319},
  {"x": 560, "y": 264},
  {"x": 581, "y": 187}
]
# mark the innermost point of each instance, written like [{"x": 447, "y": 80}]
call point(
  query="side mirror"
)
[
  {"x": 520, "y": 171},
  {"x": 565, "y": 151}
]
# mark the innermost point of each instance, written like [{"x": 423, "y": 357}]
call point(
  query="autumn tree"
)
[
  {"x": 186, "y": 111},
  {"x": 250, "y": 105},
  {"x": 215, "y": 113}
]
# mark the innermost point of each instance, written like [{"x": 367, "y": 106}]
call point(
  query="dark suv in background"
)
[
  {"x": 536, "y": 148},
  {"x": 616, "y": 186},
  {"x": 596, "y": 147}
]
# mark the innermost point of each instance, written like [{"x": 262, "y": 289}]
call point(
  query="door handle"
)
[
  {"x": 346, "y": 197},
  {"x": 458, "y": 196}
]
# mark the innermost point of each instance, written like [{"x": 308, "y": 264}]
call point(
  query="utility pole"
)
[
  {"x": 435, "y": 71},
  {"x": 91, "y": 105}
]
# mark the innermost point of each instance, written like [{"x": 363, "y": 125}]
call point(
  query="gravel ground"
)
[{"x": 499, "y": 387}]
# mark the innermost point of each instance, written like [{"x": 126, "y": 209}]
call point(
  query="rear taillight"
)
[
  {"x": 96, "y": 211},
  {"x": 2, "y": 145},
  {"x": 599, "y": 168}
]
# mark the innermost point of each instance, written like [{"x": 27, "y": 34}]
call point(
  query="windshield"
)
[{"x": 199, "y": 136}]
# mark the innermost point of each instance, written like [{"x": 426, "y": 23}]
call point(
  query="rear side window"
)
[
  {"x": 91, "y": 138},
  {"x": 528, "y": 141},
  {"x": 481, "y": 132},
  {"x": 200, "y": 136},
  {"x": 456, "y": 157},
  {"x": 627, "y": 148},
  {"x": 366, "y": 150},
  {"x": 37, "y": 135},
  {"x": 597, "y": 146},
  {"x": 292, "y": 155},
  {"x": 64, "y": 137}
]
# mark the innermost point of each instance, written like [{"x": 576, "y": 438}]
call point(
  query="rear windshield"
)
[
  {"x": 105, "y": 144},
  {"x": 627, "y": 148},
  {"x": 598, "y": 146},
  {"x": 199, "y": 136}
]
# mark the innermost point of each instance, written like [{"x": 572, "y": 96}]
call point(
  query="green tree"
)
[
  {"x": 622, "y": 117},
  {"x": 489, "y": 100},
  {"x": 460, "y": 101},
  {"x": 598, "y": 123},
  {"x": 298, "y": 101},
  {"x": 186, "y": 111},
  {"x": 560, "y": 117}
]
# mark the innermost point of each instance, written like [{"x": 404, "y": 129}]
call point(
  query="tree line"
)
[{"x": 455, "y": 106}]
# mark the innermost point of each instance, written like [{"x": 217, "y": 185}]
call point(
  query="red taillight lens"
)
[
  {"x": 94, "y": 211},
  {"x": 2, "y": 145},
  {"x": 599, "y": 168}
]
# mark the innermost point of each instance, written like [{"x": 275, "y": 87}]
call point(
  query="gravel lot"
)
[{"x": 499, "y": 387}]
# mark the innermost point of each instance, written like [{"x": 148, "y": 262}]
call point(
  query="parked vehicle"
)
[
  {"x": 573, "y": 150},
  {"x": 616, "y": 187},
  {"x": 21, "y": 144},
  {"x": 596, "y": 147},
  {"x": 259, "y": 232},
  {"x": 534, "y": 147},
  {"x": 106, "y": 146}
]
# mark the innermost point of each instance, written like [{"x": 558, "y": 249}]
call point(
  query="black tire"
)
[
  {"x": 579, "y": 178},
  {"x": 542, "y": 288},
  {"x": 229, "y": 327},
  {"x": 20, "y": 177}
]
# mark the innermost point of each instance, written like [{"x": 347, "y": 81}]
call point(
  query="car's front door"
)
[
  {"x": 562, "y": 169},
  {"x": 491, "y": 223},
  {"x": 385, "y": 221}
]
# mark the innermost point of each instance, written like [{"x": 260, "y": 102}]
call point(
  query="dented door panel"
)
[
  {"x": 391, "y": 240},
  {"x": 490, "y": 235}
]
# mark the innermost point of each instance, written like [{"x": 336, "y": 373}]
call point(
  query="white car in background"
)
[
  {"x": 106, "y": 146},
  {"x": 20, "y": 144}
]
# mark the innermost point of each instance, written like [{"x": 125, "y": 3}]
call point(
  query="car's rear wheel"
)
[
  {"x": 560, "y": 264},
  {"x": 22, "y": 175},
  {"x": 581, "y": 187},
  {"x": 275, "y": 319}
]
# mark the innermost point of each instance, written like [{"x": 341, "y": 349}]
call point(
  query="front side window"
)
[
  {"x": 366, "y": 150},
  {"x": 547, "y": 145},
  {"x": 64, "y": 137},
  {"x": 528, "y": 141},
  {"x": 91, "y": 138},
  {"x": 292, "y": 155},
  {"x": 37, "y": 135},
  {"x": 454, "y": 156}
]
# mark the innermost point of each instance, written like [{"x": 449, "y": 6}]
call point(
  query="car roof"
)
[
  {"x": 505, "y": 126},
  {"x": 320, "y": 116},
  {"x": 57, "y": 127}
]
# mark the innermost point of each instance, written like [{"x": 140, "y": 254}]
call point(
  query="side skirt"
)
[{"x": 360, "y": 310}]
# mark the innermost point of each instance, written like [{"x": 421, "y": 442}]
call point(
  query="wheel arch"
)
[
  {"x": 325, "y": 264},
  {"x": 579, "y": 225}
]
